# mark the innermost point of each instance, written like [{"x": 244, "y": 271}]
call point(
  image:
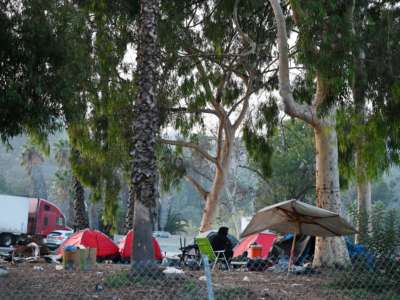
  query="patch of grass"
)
[
  {"x": 118, "y": 279},
  {"x": 361, "y": 285},
  {"x": 191, "y": 288},
  {"x": 229, "y": 293}
]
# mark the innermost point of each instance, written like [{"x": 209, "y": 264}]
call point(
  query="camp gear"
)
[
  {"x": 266, "y": 241},
  {"x": 90, "y": 238},
  {"x": 125, "y": 247},
  {"x": 213, "y": 256},
  {"x": 299, "y": 218}
]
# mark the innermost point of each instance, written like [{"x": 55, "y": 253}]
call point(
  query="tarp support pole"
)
[{"x": 292, "y": 252}]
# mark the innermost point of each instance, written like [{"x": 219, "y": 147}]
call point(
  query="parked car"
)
[
  {"x": 57, "y": 237},
  {"x": 161, "y": 234}
]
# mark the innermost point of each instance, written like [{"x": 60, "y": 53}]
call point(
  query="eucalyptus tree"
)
[
  {"x": 210, "y": 78},
  {"x": 369, "y": 141},
  {"x": 324, "y": 36},
  {"x": 97, "y": 106}
]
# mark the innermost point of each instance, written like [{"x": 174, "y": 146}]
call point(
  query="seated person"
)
[{"x": 221, "y": 242}]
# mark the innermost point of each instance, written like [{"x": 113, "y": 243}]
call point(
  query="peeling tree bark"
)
[{"x": 328, "y": 251}]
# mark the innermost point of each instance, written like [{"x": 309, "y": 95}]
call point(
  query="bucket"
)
[{"x": 255, "y": 251}]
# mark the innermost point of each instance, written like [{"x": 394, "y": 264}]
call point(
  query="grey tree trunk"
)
[
  {"x": 81, "y": 219},
  {"x": 329, "y": 251},
  {"x": 38, "y": 182},
  {"x": 364, "y": 202},
  {"x": 145, "y": 130}
]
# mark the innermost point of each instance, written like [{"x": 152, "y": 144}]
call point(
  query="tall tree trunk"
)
[
  {"x": 364, "y": 203},
  {"x": 129, "y": 210},
  {"x": 38, "y": 182},
  {"x": 81, "y": 219},
  {"x": 217, "y": 185},
  {"x": 145, "y": 130},
  {"x": 165, "y": 207},
  {"x": 329, "y": 251},
  {"x": 94, "y": 212}
]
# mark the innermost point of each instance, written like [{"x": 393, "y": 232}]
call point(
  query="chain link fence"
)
[{"x": 367, "y": 278}]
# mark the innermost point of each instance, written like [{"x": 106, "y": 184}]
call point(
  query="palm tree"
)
[
  {"x": 32, "y": 160},
  {"x": 63, "y": 155},
  {"x": 145, "y": 129}
]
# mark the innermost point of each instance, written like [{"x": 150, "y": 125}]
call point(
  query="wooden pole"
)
[{"x": 292, "y": 252}]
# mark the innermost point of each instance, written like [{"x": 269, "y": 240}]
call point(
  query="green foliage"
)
[
  {"x": 292, "y": 165},
  {"x": 362, "y": 282},
  {"x": 324, "y": 44},
  {"x": 257, "y": 137},
  {"x": 176, "y": 223},
  {"x": 170, "y": 166},
  {"x": 384, "y": 237},
  {"x": 30, "y": 54}
]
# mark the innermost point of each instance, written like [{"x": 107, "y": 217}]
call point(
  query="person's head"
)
[{"x": 223, "y": 231}]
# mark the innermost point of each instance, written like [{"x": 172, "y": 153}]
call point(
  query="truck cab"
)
[{"x": 44, "y": 217}]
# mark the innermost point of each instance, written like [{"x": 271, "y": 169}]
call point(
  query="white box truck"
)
[{"x": 27, "y": 216}]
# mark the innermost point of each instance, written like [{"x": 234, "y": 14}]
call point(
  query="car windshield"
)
[{"x": 55, "y": 233}]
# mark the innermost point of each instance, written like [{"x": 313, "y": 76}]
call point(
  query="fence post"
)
[{"x": 208, "y": 277}]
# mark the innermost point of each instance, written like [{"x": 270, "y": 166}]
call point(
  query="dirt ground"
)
[{"x": 43, "y": 281}]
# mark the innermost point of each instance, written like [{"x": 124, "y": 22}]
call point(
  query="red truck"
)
[{"x": 21, "y": 216}]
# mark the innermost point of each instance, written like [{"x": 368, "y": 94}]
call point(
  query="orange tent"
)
[
  {"x": 90, "y": 238},
  {"x": 266, "y": 241},
  {"x": 125, "y": 247}
]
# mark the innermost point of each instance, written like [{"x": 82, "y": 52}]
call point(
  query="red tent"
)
[
  {"x": 125, "y": 247},
  {"x": 90, "y": 238},
  {"x": 264, "y": 239}
]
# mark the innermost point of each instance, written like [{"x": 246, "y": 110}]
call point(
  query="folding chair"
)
[{"x": 214, "y": 257}]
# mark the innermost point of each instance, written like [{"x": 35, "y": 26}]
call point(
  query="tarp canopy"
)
[
  {"x": 90, "y": 238},
  {"x": 266, "y": 240},
  {"x": 299, "y": 218},
  {"x": 125, "y": 247}
]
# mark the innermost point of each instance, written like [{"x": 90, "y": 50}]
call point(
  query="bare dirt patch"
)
[{"x": 43, "y": 281}]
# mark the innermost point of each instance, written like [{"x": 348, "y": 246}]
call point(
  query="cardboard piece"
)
[{"x": 80, "y": 259}]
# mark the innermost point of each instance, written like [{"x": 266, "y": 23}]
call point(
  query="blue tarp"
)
[{"x": 358, "y": 252}]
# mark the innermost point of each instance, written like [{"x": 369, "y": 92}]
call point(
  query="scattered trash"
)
[
  {"x": 38, "y": 268},
  {"x": 296, "y": 284},
  {"x": 202, "y": 278},
  {"x": 173, "y": 272},
  {"x": 245, "y": 278},
  {"x": 59, "y": 267},
  {"x": 99, "y": 288}
]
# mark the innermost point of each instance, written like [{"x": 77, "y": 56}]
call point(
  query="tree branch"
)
[
  {"x": 205, "y": 154},
  {"x": 197, "y": 110},
  {"x": 254, "y": 171},
  {"x": 242, "y": 34},
  {"x": 306, "y": 113},
  {"x": 198, "y": 187},
  {"x": 245, "y": 107}
]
